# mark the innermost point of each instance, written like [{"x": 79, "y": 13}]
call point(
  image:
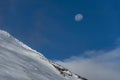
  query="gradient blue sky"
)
[{"x": 49, "y": 26}]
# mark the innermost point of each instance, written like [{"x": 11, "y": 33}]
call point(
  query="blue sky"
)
[
  {"x": 49, "y": 26},
  {"x": 90, "y": 47}
]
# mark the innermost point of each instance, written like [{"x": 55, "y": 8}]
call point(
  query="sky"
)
[{"x": 50, "y": 27}]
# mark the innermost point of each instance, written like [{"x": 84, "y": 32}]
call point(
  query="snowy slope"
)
[{"x": 20, "y": 62}]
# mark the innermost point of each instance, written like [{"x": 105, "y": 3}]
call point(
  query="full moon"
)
[{"x": 78, "y": 17}]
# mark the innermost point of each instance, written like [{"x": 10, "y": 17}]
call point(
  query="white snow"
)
[{"x": 20, "y": 62}]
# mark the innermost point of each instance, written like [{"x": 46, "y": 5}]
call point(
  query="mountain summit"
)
[{"x": 20, "y": 62}]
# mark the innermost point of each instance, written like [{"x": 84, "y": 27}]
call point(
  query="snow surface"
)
[{"x": 20, "y": 62}]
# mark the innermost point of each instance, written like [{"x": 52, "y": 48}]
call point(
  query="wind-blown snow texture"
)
[{"x": 20, "y": 62}]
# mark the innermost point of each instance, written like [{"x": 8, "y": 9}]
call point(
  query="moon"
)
[{"x": 78, "y": 17}]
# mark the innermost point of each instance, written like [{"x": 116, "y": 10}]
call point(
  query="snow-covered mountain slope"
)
[{"x": 20, "y": 62}]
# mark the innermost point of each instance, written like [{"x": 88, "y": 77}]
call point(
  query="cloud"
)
[{"x": 100, "y": 65}]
